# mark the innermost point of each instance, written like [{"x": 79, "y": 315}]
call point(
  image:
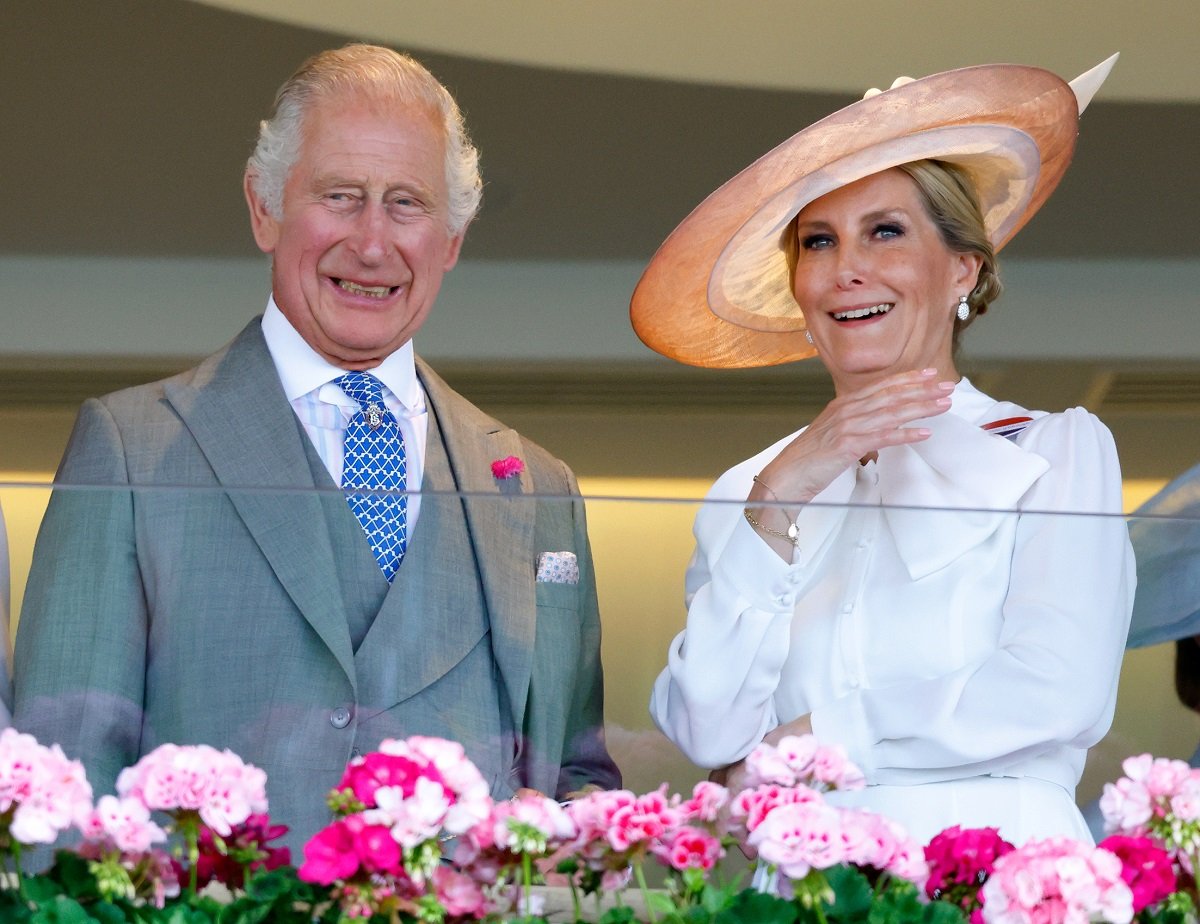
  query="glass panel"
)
[{"x": 641, "y": 548}]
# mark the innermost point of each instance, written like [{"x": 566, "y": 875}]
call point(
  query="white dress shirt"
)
[
  {"x": 958, "y": 644},
  {"x": 325, "y": 410}
]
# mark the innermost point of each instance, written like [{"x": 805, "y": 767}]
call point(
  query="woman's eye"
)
[
  {"x": 816, "y": 242},
  {"x": 889, "y": 230}
]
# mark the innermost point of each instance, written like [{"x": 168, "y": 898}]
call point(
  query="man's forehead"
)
[{"x": 385, "y": 110}]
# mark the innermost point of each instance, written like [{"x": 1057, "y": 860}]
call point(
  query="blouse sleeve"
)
[
  {"x": 1051, "y": 679},
  {"x": 715, "y": 698}
]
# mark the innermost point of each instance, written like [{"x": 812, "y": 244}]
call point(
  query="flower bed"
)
[{"x": 414, "y": 836}]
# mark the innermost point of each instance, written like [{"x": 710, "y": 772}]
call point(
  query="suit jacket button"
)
[{"x": 340, "y": 717}]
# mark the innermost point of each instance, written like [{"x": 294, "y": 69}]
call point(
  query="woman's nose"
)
[{"x": 850, "y": 269}]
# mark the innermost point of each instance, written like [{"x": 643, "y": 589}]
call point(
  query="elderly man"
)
[{"x": 249, "y": 609}]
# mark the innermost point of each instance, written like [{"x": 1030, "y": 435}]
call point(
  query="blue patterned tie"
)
[{"x": 374, "y": 471}]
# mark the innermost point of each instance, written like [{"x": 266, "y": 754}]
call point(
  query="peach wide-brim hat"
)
[{"x": 718, "y": 292}]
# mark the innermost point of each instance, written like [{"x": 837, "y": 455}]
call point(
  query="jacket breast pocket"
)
[{"x": 560, "y": 596}]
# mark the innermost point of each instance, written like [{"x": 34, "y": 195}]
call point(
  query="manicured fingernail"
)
[
  {"x": 928, "y": 372},
  {"x": 943, "y": 402},
  {"x": 946, "y": 386}
]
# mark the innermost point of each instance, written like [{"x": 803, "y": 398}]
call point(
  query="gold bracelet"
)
[{"x": 792, "y": 535}]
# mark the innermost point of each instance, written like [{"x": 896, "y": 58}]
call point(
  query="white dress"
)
[{"x": 964, "y": 655}]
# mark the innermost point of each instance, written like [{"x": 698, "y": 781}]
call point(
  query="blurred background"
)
[{"x": 125, "y": 253}]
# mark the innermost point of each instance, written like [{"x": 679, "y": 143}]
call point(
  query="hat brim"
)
[{"x": 718, "y": 293}]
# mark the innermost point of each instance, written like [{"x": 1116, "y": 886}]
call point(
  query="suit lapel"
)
[
  {"x": 501, "y": 529},
  {"x": 236, "y": 411}
]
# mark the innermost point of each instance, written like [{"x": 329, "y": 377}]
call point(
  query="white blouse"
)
[{"x": 929, "y": 629}]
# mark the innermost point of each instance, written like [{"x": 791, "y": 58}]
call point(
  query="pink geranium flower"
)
[
  {"x": 459, "y": 894},
  {"x": 1057, "y": 881},
  {"x": 124, "y": 823},
  {"x": 689, "y": 848},
  {"x": 799, "y": 837},
  {"x": 707, "y": 804},
  {"x": 46, "y": 792},
  {"x": 799, "y": 759},
  {"x": 217, "y": 785},
  {"x": 643, "y": 821}
]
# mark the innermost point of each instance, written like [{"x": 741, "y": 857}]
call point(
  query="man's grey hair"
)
[{"x": 376, "y": 74}]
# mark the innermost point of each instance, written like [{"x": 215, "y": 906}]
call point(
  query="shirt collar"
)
[{"x": 302, "y": 370}]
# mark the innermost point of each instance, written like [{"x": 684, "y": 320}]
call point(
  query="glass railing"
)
[{"x": 141, "y": 573}]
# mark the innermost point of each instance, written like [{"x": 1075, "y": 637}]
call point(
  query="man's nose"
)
[{"x": 370, "y": 239}]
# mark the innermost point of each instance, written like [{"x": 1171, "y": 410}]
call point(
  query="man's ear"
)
[
  {"x": 264, "y": 225},
  {"x": 452, "y": 251}
]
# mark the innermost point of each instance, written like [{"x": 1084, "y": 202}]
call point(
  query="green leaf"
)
[
  {"x": 753, "y": 907},
  {"x": 618, "y": 914},
  {"x": 853, "y": 895},
  {"x": 660, "y": 903},
  {"x": 73, "y": 872},
  {"x": 62, "y": 910},
  {"x": 944, "y": 913}
]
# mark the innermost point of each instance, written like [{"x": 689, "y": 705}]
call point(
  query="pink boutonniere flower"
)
[{"x": 508, "y": 468}]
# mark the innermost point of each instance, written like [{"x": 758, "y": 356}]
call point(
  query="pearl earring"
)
[
  {"x": 808, "y": 337},
  {"x": 964, "y": 310}
]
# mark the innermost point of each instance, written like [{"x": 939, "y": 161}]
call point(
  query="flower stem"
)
[
  {"x": 641, "y": 878},
  {"x": 527, "y": 882},
  {"x": 575, "y": 902},
  {"x": 16, "y": 852}
]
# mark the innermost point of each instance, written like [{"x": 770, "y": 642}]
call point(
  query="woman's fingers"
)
[{"x": 854, "y": 426}]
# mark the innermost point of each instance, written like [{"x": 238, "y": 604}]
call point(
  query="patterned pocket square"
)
[{"x": 557, "y": 568}]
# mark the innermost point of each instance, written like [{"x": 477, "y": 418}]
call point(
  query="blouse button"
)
[{"x": 847, "y": 607}]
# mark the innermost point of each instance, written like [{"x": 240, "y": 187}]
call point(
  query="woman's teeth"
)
[{"x": 856, "y": 313}]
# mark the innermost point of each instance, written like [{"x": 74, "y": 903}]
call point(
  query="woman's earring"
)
[
  {"x": 808, "y": 337},
  {"x": 964, "y": 310}
]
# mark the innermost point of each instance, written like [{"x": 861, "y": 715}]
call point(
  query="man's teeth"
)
[
  {"x": 356, "y": 289},
  {"x": 861, "y": 312}
]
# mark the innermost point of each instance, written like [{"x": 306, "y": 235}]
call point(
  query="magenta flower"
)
[
  {"x": 960, "y": 862},
  {"x": 378, "y": 851},
  {"x": 1145, "y": 867},
  {"x": 364, "y": 775},
  {"x": 329, "y": 855},
  {"x": 247, "y": 849},
  {"x": 508, "y": 467}
]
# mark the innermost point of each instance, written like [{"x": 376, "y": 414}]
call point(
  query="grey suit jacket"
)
[{"x": 200, "y": 603}]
